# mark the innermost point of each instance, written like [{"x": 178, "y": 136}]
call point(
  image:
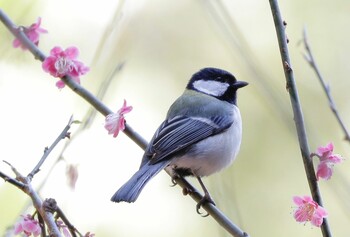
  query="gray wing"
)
[{"x": 180, "y": 132}]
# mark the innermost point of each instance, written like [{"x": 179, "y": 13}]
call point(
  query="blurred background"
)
[{"x": 145, "y": 51}]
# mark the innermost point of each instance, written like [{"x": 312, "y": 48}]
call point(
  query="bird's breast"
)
[{"x": 213, "y": 153}]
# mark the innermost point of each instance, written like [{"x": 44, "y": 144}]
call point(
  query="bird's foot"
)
[
  {"x": 174, "y": 177},
  {"x": 206, "y": 199}
]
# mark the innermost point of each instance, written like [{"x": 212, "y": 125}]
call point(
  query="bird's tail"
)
[{"x": 130, "y": 191}]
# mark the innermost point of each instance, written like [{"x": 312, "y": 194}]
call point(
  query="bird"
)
[{"x": 200, "y": 135}]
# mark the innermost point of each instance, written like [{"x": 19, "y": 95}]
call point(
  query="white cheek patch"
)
[{"x": 214, "y": 88}]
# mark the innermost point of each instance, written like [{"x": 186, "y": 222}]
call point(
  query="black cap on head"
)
[{"x": 217, "y": 83}]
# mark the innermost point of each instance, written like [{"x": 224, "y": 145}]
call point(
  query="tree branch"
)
[
  {"x": 132, "y": 134},
  {"x": 297, "y": 111},
  {"x": 326, "y": 88},
  {"x": 47, "y": 151}
]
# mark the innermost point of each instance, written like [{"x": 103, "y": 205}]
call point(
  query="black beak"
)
[{"x": 240, "y": 84}]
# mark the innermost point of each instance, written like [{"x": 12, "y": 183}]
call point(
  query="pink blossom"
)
[
  {"x": 309, "y": 210},
  {"x": 32, "y": 32},
  {"x": 62, "y": 63},
  {"x": 327, "y": 161},
  {"x": 116, "y": 122},
  {"x": 28, "y": 226}
]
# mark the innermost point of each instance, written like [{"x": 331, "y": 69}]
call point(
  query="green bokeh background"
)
[{"x": 161, "y": 44}]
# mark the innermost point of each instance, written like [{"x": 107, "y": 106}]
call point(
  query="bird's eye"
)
[{"x": 223, "y": 79}]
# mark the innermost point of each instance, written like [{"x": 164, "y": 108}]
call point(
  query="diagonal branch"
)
[
  {"x": 47, "y": 151},
  {"x": 297, "y": 110},
  {"x": 311, "y": 60},
  {"x": 133, "y": 135}
]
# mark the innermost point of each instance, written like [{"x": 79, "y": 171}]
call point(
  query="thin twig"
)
[
  {"x": 297, "y": 111},
  {"x": 47, "y": 151},
  {"x": 132, "y": 134},
  {"x": 19, "y": 177},
  {"x": 326, "y": 88},
  {"x": 12, "y": 181}
]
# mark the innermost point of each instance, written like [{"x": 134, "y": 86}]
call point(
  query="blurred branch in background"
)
[
  {"x": 111, "y": 27},
  {"x": 103, "y": 109},
  {"x": 225, "y": 22},
  {"x": 326, "y": 88},
  {"x": 297, "y": 110}
]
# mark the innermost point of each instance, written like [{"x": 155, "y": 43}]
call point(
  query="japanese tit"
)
[{"x": 201, "y": 134}]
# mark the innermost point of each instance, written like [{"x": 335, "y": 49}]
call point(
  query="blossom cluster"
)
[
  {"x": 307, "y": 209},
  {"x": 61, "y": 62}
]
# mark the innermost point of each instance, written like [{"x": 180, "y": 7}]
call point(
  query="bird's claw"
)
[
  {"x": 206, "y": 199},
  {"x": 186, "y": 191},
  {"x": 173, "y": 181}
]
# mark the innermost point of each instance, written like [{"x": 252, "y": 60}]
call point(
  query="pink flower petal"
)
[
  {"x": 335, "y": 159},
  {"x": 16, "y": 43},
  {"x": 34, "y": 37},
  {"x": 317, "y": 219},
  {"x": 325, "y": 151},
  {"x": 81, "y": 68},
  {"x": 125, "y": 109},
  {"x": 298, "y": 200},
  {"x": 60, "y": 84},
  {"x": 56, "y": 51},
  {"x": 72, "y": 52},
  {"x": 36, "y": 27},
  {"x": 18, "y": 228},
  {"x": 324, "y": 171}
]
